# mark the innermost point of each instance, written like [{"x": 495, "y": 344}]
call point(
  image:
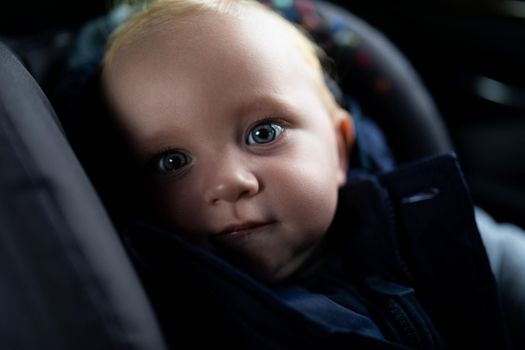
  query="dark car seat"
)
[{"x": 66, "y": 280}]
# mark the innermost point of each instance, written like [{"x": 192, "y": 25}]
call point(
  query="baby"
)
[
  {"x": 226, "y": 109},
  {"x": 226, "y": 104}
]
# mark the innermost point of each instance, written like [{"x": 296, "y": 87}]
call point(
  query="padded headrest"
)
[{"x": 66, "y": 282}]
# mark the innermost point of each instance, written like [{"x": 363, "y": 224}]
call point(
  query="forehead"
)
[{"x": 196, "y": 64}]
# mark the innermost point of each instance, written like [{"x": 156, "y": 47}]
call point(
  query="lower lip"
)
[{"x": 244, "y": 232}]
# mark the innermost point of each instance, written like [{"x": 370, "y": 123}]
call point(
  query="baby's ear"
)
[{"x": 345, "y": 137}]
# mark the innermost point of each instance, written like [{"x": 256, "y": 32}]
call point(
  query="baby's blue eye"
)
[
  {"x": 172, "y": 162},
  {"x": 264, "y": 133}
]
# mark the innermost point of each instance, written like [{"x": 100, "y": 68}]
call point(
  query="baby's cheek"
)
[
  {"x": 309, "y": 197},
  {"x": 314, "y": 209}
]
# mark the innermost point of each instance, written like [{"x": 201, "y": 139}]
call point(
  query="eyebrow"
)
[{"x": 261, "y": 102}]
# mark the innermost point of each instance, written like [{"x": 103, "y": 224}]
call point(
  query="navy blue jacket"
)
[{"x": 409, "y": 247}]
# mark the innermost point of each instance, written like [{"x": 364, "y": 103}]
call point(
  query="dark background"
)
[{"x": 470, "y": 54}]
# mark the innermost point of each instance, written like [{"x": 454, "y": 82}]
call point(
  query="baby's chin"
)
[
  {"x": 269, "y": 276},
  {"x": 269, "y": 260},
  {"x": 267, "y": 269}
]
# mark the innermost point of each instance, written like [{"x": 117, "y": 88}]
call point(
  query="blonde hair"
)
[{"x": 154, "y": 15}]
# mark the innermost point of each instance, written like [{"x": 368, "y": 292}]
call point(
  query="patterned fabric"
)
[{"x": 329, "y": 32}]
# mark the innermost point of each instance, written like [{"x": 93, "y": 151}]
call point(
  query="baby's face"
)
[{"x": 246, "y": 160}]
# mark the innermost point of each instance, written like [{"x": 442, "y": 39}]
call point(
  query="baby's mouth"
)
[{"x": 242, "y": 229}]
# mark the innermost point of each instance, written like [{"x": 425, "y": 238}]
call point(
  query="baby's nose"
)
[{"x": 230, "y": 181}]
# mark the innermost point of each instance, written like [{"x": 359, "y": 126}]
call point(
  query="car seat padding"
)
[{"x": 66, "y": 282}]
